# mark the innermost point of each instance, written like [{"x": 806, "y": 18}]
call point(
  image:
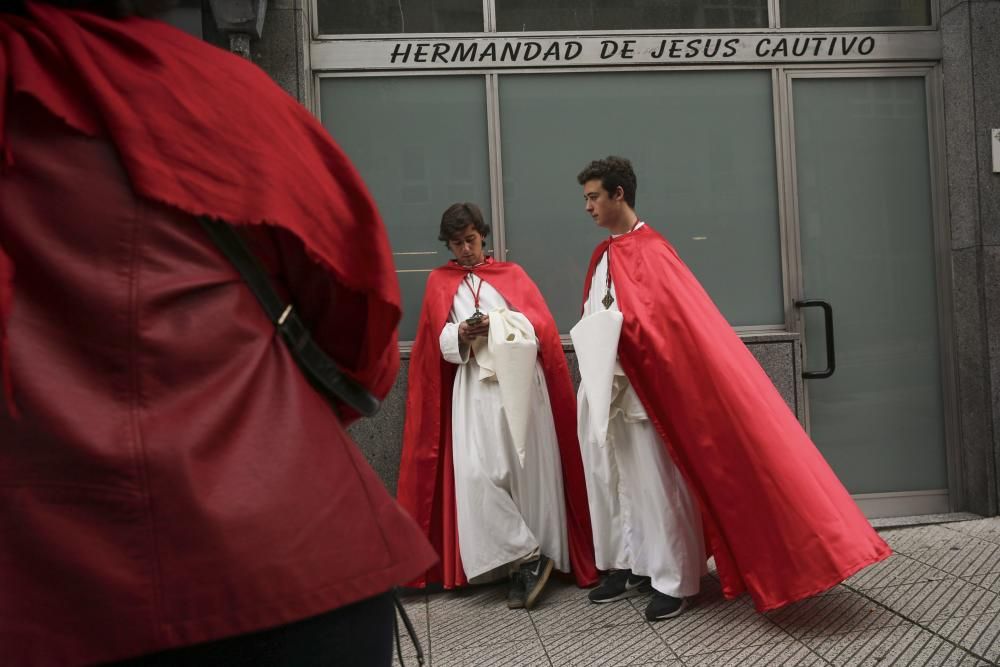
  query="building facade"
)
[{"x": 828, "y": 171}]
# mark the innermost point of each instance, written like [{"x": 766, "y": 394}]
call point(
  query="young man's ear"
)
[{"x": 619, "y": 193}]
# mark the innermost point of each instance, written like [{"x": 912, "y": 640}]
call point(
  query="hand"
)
[{"x": 467, "y": 332}]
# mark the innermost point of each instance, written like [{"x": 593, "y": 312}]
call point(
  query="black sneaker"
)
[
  {"x": 534, "y": 575},
  {"x": 516, "y": 593},
  {"x": 618, "y": 585},
  {"x": 662, "y": 607}
]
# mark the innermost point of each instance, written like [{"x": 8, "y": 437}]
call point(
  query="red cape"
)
[
  {"x": 778, "y": 521},
  {"x": 142, "y": 85},
  {"x": 426, "y": 474}
]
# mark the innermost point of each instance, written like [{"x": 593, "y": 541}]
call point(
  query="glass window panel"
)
[
  {"x": 866, "y": 234},
  {"x": 184, "y": 16},
  {"x": 420, "y": 144},
  {"x": 344, "y": 17},
  {"x": 860, "y": 13},
  {"x": 702, "y": 145},
  {"x": 528, "y": 15}
]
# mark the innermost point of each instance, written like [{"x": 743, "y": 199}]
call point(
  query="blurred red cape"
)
[{"x": 275, "y": 164}]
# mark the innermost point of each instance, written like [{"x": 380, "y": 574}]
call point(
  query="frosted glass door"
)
[{"x": 866, "y": 236}]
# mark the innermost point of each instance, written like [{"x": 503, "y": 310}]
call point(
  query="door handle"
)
[{"x": 831, "y": 358}]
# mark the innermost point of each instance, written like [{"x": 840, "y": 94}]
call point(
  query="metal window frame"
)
[
  {"x": 489, "y": 27},
  {"x": 935, "y": 23},
  {"x": 931, "y": 73}
]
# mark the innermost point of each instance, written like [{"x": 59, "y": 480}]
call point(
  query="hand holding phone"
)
[{"x": 473, "y": 327}]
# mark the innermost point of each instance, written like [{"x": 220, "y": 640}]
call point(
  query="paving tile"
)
[
  {"x": 558, "y": 591},
  {"x": 618, "y": 646},
  {"x": 409, "y": 657},
  {"x": 901, "y": 645},
  {"x": 470, "y": 598},
  {"x": 730, "y": 629},
  {"x": 980, "y": 633},
  {"x": 921, "y": 520},
  {"x": 986, "y": 529},
  {"x": 456, "y": 632},
  {"x": 416, "y": 609},
  {"x": 527, "y": 653},
  {"x": 966, "y": 559},
  {"x": 987, "y": 581},
  {"x": 577, "y": 615},
  {"x": 709, "y": 599},
  {"x": 832, "y": 614},
  {"x": 779, "y": 653},
  {"x": 893, "y": 571},
  {"x": 908, "y": 540},
  {"x": 475, "y": 616},
  {"x": 937, "y": 599}
]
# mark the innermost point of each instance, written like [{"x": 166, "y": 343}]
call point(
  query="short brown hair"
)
[
  {"x": 614, "y": 172},
  {"x": 459, "y": 216}
]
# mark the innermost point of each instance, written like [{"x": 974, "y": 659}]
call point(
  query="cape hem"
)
[{"x": 843, "y": 575}]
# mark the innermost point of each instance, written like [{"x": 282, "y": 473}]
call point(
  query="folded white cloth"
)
[
  {"x": 508, "y": 356},
  {"x": 604, "y": 385},
  {"x": 625, "y": 400}
]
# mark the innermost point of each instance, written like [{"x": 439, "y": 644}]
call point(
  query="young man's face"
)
[
  {"x": 605, "y": 208},
  {"x": 467, "y": 246}
]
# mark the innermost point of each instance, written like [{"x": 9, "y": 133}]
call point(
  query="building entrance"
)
[{"x": 864, "y": 208}]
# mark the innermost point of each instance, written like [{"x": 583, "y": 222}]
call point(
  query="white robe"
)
[
  {"x": 642, "y": 514},
  {"x": 505, "y": 512}
]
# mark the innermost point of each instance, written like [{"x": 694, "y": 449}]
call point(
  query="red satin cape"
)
[
  {"x": 426, "y": 475},
  {"x": 778, "y": 521},
  {"x": 142, "y": 84}
]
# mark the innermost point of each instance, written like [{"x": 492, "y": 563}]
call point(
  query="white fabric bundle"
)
[
  {"x": 595, "y": 340},
  {"x": 509, "y": 355}
]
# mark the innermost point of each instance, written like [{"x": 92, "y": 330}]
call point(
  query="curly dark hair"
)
[
  {"x": 459, "y": 216},
  {"x": 614, "y": 172}
]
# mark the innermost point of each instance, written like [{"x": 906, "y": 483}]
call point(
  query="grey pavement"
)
[{"x": 935, "y": 601}]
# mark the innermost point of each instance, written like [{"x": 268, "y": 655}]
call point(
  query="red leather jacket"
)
[{"x": 172, "y": 477}]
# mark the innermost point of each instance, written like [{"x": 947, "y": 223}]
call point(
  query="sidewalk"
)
[{"x": 936, "y": 601}]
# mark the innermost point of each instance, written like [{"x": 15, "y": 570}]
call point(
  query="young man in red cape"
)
[
  {"x": 491, "y": 467},
  {"x": 777, "y": 520},
  {"x": 171, "y": 485}
]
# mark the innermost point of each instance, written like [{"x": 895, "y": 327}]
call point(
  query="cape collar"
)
[
  {"x": 637, "y": 232},
  {"x": 455, "y": 266},
  {"x": 636, "y": 225}
]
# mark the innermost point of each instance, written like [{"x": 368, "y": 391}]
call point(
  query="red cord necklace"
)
[{"x": 475, "y": 295}]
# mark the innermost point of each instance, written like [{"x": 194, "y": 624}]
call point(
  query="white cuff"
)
[{"x": 453, "y": 351}]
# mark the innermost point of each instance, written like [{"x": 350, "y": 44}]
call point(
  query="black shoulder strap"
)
[{"x": 319, "y": 368}]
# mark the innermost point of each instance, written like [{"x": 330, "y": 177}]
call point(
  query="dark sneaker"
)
[
  {"x": 664, "y": 606},
  {"x": 516, "y": 593},
  {"x": 534, "y": 575},
  {"x": 618, "y": 585}
]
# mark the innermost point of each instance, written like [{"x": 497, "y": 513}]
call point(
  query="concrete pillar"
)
[{"x": 971, "y": 39}]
